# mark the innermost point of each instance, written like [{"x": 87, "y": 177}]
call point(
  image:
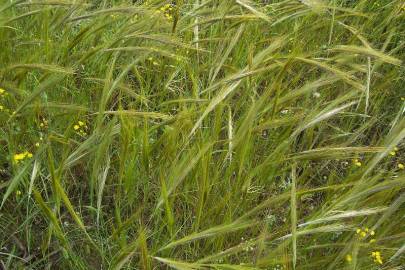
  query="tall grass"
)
[{"x": 202, "y": 134}]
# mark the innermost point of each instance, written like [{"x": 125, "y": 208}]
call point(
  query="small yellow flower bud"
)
[
  {"x": 18, "y": 157},
  {"x": 373, "y": 254}
]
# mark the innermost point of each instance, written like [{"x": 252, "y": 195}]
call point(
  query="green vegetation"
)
[{"x": 202, "y": 134}]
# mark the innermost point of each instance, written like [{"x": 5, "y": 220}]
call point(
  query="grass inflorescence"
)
[{"x": 203, "y": 134}]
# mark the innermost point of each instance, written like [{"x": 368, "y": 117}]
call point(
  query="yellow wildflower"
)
[
  {"x": 18, "y": 193},
  {"x": 1, "y": 108},
  {"x": 392, "y": 153},
  {"x": 37, "y": 144},
  {"x": 44, "y": 123},
  {"x": 358, "y": 164},
  {"x": 21, "y": 156},
  {"x": 401, "y": 166},
  {"x": 2, "y": 91},
  {"x": 166, "y": 10},
  {"x": 376, "y": 255},
  {"x": 18, "y": 157},
  {"x": 372, "y": 232},
  {"x": 80, "y": 128},
  {"x": 372, "y": 241},
  {"x": 349, "y": 258}
]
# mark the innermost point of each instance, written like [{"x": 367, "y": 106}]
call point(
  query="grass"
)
[{"x": 205, "y": 134}]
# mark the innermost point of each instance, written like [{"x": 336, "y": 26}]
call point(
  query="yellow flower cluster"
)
[
  {"x": 364, "y": 232},
  {"x": 349, "y": 258},
  {"x": 401, "y": 166},
  {"x": 394, "y": 152},
  {"x": 81, "y": 128},
  {"x": 44, "y": 123},
  {"x": 37, "y": 144},
  {"x": 167, "y": 11},
  {"x": 357, "y": 162},
  {"x": 376, "y": 255},
  {"x": 3, "y": 93},
  {"x": 21, "y": 156}
]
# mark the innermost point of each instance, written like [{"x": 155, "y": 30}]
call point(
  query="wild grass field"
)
[{"x": 202, "y": 134}]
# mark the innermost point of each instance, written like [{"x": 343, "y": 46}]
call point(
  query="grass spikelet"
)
[{"x": 239, "y": 135}]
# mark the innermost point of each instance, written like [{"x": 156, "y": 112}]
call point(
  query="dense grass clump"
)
[{"x": 202, "y": 134}]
